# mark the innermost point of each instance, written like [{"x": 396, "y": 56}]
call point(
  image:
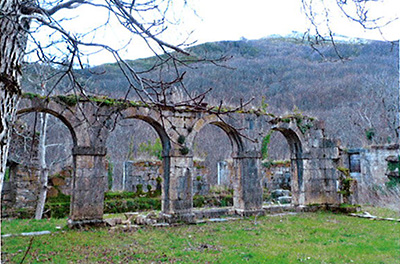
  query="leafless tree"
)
[
  {"x": 65, "y": 49},
  {"x": 361, "y": 12}
]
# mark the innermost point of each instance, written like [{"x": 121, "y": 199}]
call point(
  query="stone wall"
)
[
  {"x": 277, "y": 176},
  {"x": 201, "y": 174},
  {"x": 149, "y": 174},
  {"x": 370, "y": 165},
  {"x": 20, "y": 193},
  {"x": 60, "y": 183},
  {"x": 142, "y": 175}
]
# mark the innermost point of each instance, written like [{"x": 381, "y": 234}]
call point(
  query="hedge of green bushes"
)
[
  {"x": 213, "y": 200},
  {"x": 113, "y": 203},
  {"x": 121, "y": 202},
  {"x": 132, "y": 205}
]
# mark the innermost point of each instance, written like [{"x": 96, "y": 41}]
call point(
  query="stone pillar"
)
[
  {"x": 247, "y": 197},
  {"x": 297, "y": 182},
  {"x": 88, "y": 186},
  {"x": 320, "y": 175},
  {"x": 177, "y": 199}
]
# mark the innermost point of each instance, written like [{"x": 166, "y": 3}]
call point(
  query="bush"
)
[
  {"x": 57, "y": 210},
  {"x": 213, "y": 200},
  {"x": 393, "y": 183},
  {"x": 152, "y": 149},
  {"x": 132, "y": 205},
  {"x": 119, "y": 195},
  {"x": 115, "y": 202},
  {"x": 60, "y": 198}
]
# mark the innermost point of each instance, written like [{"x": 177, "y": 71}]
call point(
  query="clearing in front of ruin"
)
[{"x": 309, "y": 237}]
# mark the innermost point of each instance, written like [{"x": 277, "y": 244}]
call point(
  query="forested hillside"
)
[{"x": 355, "y": 96}]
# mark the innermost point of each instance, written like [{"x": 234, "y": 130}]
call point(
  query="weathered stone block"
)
[
  {"x": 199, "y": 125},
  {"x": 56, "y": 181},
  {"x": 84, "y": 162}
]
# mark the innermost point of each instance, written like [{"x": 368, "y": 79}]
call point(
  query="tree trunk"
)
[
  {"x": 13, "y": 33},
  {"x": 398, "y": 101},
  {"x": 44, "y": 172},
  {"x": 8, "y": 108}
]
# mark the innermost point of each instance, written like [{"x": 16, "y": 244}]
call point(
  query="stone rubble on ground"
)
[{"x": 373, "y": 217}]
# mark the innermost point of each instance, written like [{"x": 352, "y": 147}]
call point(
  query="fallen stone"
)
[
  {"x": 150, "y": 221},
  {"x": 161, "y": 225},
  {"x": 217, "y": 220},
  {"x": 285, "y": 199},
  {"x": 276, "y": 193},
  {"x": 37, "y": 233},
  {"x": 131, "y": 216},
  {"x": 373, "y": 217},
  {"x": 140, "y": 220},
  {"x": 113, "y": 221},
  {"x": 151, "y": 215},
  {"x": 124, "y": 228}
]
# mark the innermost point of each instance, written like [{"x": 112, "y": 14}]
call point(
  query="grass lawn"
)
[{"x": 312, "y": 238}]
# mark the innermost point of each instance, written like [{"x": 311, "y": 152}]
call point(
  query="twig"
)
[{"x": 27, "y": 250}]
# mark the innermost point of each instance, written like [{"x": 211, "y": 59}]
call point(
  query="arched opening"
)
[
  {"x": 276, "y": 169},
  {"x": 283, "y": 167},
  {"x": 40, "y": 165},
  {"x": 214, "y": 147},
  {"x": 138, "y": 166}
]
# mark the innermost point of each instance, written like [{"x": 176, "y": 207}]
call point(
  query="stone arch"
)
[
  {"x": 166, "y": 144},
  {"x": 53, "y": 113},
  {"x": 66, "y": 122},
  {"x": 294, "y": 141},
  {"x": 233, "y": 135},
  {"x": 150, "y": 119}
]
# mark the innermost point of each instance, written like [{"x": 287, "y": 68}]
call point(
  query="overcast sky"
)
[
  {"x": 231, "y": 19},
  {"x": 215, "y": 20}
]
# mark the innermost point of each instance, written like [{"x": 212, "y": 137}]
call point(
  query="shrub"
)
[
  {"x": 139, "y": 189},
  {"x": 119, "y": 195},
  {"x": 132, "y": 205},
  {"x": 60, "y": 198},
  {"x": 57, "y": 210},
  {"x": 345, "y": 182},
  {"x": 213, "y": 200},
  {"x": 115, "y": 202},
  {"x": 152, "y": 149}
]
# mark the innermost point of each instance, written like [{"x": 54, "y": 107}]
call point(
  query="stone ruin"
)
[
  {"x": 147, "y": 175},
  {"x": 314, "y": 160}
]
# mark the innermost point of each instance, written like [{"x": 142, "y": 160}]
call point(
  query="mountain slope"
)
[{"x": 353, "y": 96}]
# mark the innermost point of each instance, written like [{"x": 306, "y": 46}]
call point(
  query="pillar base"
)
[
  {"x": 82, "y": 224},
  {"x": 187, "y": 218},
  {"x": 245, "y": 213}
]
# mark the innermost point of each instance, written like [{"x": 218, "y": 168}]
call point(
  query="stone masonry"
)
[
  {"x": 314, "y": 157},
  {"x": 20, "y": 193},
  {"x": 148, "y": 174}
]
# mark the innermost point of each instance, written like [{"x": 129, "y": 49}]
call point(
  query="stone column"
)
[
  {"x": 247, "y": 197},
  {"x": 177, "y": 200},
  {"x": 320, "y": 174},
  {"x": 88, "y": 186},
  {"x": 297, "y": 182}
]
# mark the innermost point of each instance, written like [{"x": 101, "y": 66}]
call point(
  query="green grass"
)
[
  {"x": 17, "y": 226},
  {"x": 311, "y": 238},
  {"x": 380, "y": 212}
]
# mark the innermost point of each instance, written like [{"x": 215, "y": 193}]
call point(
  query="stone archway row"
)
[{"x": 314, "y": 157}]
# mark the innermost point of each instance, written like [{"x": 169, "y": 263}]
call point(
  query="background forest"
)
[{"x": 356, "y": 96}]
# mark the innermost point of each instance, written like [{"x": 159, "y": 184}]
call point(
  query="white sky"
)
[{"x": 231, "y": 20}]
